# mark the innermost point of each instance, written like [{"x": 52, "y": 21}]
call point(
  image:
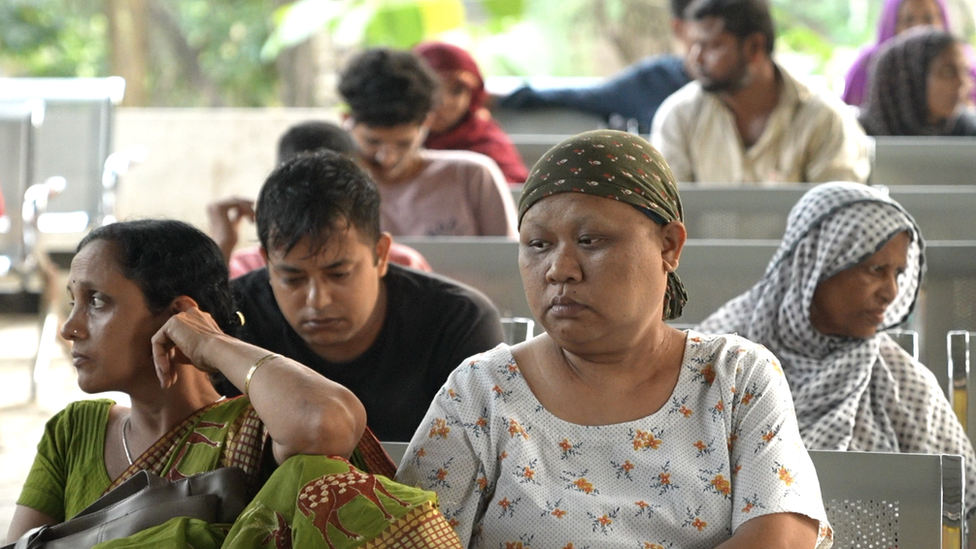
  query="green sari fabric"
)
[
  {"x": 315, "y": 501},
  {"x": 308, "y": 502},
  {"x": 227, "y": 433},
  {"x": 312, "y": 502}
]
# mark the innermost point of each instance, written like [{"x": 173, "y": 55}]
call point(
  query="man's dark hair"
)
[
  {"x": 386, "y": 88},
  {"x": 312, "y": 136},
  {"x": 678, "y": 8},
  {"x": 167, "y": 259},
  {"x": 316, "y": 195},
  {"x": 742, "y": 18}
]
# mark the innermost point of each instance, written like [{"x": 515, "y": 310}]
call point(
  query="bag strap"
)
[
  {"x": 146, "y": 500},
  {"x": 132, "y": 485}
]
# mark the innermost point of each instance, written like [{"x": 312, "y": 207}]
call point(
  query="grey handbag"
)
[{"x": 143, "y": 501}]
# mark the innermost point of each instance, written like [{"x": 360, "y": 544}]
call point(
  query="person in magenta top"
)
[
  {"x": 896, "y": 17},
  {"x": 461, "y": 121}
]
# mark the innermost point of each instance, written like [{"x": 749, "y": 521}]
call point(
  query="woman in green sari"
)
[{"x": 150, "y": 314}]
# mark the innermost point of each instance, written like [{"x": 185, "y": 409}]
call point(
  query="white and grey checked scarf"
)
[{"x": 849, "y": 393}]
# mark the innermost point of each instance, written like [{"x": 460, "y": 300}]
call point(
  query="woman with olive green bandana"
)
[{"x": 613, "y": 429}]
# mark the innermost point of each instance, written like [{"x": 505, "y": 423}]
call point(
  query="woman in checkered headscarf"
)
[{"x": 849, "y": 267}]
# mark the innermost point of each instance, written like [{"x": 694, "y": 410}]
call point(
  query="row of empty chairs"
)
[{"x": 56, "y": 177}]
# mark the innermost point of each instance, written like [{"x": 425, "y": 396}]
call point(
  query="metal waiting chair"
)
[
  {"x": 879, "y": 499},
  {"x": 75, "y": 143},
  {"x": 957, "y": 350},
  {"x": 395, "y": 450},
  {"x": 27, "y": 276},
  {"x": 907, "y": 339},
  {"x": 518, "y": 329}
]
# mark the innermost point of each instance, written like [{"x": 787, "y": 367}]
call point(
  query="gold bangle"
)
[{"x": 254, "y": 367}]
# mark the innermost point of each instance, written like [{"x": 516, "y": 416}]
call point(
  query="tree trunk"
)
[
  {"x": 298, "y": 71},
  {"x": 127, "y": 29}
]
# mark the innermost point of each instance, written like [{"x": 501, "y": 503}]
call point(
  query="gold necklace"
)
[{"x": 125, "y": 439}]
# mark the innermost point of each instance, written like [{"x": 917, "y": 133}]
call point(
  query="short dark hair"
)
[
  {"x": 310, "y": 195},
  {"x": 742, "y": 18},
  {"x": 387, "y": 88},
  {"x": 168, "y": 259},
  {"x": 312, "y": 136},
  {"x": 678, "y": 8}
]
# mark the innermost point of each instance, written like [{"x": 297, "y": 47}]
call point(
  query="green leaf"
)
[
  {"x": 501, "y": 9},
  {"x": 297, "y": 22},
  {"x": 399, "y": 25}
]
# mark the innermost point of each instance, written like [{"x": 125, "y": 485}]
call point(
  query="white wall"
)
[{"x": 199, "y": 155}]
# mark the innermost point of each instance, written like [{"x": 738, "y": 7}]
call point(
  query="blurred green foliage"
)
[
  {"x": 221, "y": 52},
  {"x": 391, "y": 23},
  {"x": 223, "y": 39},
  {"x": 227, "y": 37},
  {"x": 48, "y": 38}
]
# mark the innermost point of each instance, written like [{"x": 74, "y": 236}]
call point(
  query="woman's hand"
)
[
  {"x": 304, "y": 412},
  {"x": 182, "y": 340}
]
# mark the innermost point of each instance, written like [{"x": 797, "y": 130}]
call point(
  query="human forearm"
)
[
  {"x": 25, "y": 519},
  {"x": 304, "y": 412},
  {"x": 775, "y": 531}
]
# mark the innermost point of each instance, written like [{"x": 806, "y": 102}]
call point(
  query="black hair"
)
[
  {"x": 312, "y": 136},
  {"x": 678, "y": 8},
  {"x": 386, "y": 88},
  {"x": 168, "y": 259},
  {"x": 311, "y": 195},
  {"x": 741, "y": 18}
]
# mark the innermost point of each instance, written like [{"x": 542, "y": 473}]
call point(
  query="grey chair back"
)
[
  {"x": 925, "y": 160},
  {"x": 396, "y": 450},
  {"x": 489, "y": 264},
  {"x": 19, "y": 121},
  {"x": 942, "y": 212},
  {"x": 876, "y": 499},
  {"x": 517, "y": 329},
  {"x": 546, "y": 120},
  {"x": 959, "y": 371},
  {"x": 907, "y": 339},
  {"x": 74, "y": 142}
]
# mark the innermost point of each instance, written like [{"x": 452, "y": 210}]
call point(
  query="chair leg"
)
[{"x": 48, "y": 320}]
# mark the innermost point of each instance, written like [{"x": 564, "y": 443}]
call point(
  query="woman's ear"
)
[
  {"x": 182, "y": 303},
  {"x": 673, "y": 237}
]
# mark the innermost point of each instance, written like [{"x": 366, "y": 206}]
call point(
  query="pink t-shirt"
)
[{"x": 458, "y": 193}]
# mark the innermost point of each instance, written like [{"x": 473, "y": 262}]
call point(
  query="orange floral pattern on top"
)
[{"x": 521, "y": 477}]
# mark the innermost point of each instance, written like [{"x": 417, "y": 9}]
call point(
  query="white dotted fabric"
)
[
  {"x": 723, "y": 450},
  {"x": 850, "y": 393}
]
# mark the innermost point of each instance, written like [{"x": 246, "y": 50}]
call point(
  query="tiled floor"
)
[{"x": 22, "y": 421}]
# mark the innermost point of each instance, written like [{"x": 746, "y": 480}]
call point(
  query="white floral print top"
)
[{"x": 724, "y": 449}]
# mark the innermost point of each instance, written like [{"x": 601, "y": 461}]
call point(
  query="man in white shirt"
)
[{"x": 745, "y": 119}]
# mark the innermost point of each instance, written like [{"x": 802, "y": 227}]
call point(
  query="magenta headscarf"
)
[
  {"x": 856, "y": 86},
  {"x": 477, "y": 131}
]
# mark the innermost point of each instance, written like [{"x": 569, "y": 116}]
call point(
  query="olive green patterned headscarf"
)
[{"x": 615, "y": 165}]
